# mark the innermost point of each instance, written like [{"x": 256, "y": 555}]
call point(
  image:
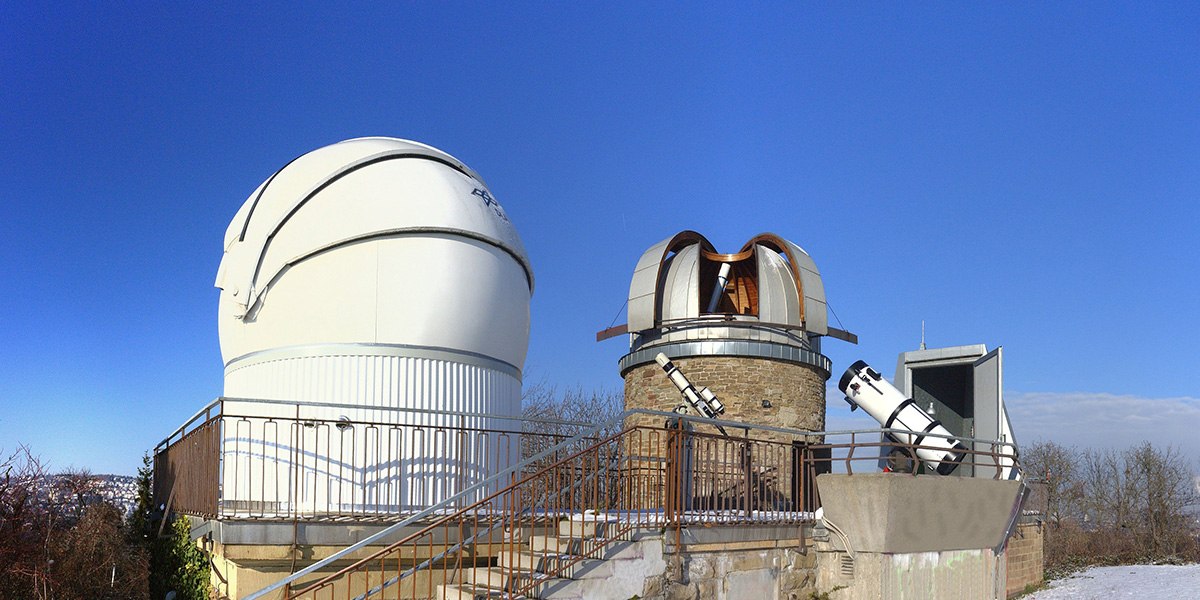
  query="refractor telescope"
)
[
  {"x": 865, "y": 387},
  {"x": 704, "y": 401}
]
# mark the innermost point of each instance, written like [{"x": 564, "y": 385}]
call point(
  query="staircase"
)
[
  {"x": 526, "y": 573},
  {"x": 580, "y": 519}
]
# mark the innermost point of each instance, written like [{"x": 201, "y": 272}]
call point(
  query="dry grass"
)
[{"x": 1070, "y": 548}]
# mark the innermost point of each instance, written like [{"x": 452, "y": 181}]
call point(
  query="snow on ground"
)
[{"x": 1134, "y": 581}]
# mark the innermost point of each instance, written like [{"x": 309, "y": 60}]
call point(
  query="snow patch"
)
[{"x": 1134, "y": 581}]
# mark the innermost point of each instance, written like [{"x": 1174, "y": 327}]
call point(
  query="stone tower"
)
[{"x": 748, "y": 325}]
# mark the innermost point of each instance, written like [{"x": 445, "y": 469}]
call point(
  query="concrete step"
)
[
  {"x": 561, "y": 545},
  {"x": 584, "y": 528},
  {"x": 491, "y": 577},
  {"x": 591, "y": 529},
  {"x": 512, "y": 580},
  {"x": 522, "y": 532},
  {"x": 546, "y": 562},
  {"x": 524, "y": 560},
  {"x": 468, "y": 592}
]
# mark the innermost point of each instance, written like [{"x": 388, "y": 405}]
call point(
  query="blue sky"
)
[{"x": 1016, "y": 175}]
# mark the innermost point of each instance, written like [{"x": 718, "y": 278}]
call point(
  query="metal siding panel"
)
[
  {"x": 817, "y": 315},
  {"x": 643, "y": 287},
  {"x": 336, "y": 471},
  {"x": 692, "y": 306},
  {"x": 814, "y": 291},
  {"x": 778, "y": 298},
  {"x": 641, "y": 303},
  {"x": 680, "y": 292},
  {"x": 640, "y": 313}
]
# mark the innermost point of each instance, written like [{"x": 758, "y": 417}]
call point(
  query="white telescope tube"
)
[
  {"x": 717, "y": 406},
  {"x": 722, "y": 281},
  {"x": 865, "y": 387},
  {"x": 704, "y": 401}
]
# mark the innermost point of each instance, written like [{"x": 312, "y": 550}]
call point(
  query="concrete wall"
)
[
  {"x": 899, "y": 513},
  {"x": 919, "y": 537},
  {"x": 1024, "y": 558},
  {"x": 758, "y": 563},
  {"x": 946, "y": 575},
  {"x": 239, "y": 570},
  {"x": 761, "y": 570},
  {"x": 248, "y": 556}
]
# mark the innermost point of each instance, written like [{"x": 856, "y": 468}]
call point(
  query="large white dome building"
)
[{"x": 361, "y": 281}]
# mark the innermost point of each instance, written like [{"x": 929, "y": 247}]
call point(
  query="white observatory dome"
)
[
  {"x": 379, "y": 273},
  {"x": 373, "y": 242}
]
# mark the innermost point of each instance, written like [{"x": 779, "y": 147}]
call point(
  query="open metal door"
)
[
  {"x": 989, "y": 395},
  {"x": 991, "y": 419}
]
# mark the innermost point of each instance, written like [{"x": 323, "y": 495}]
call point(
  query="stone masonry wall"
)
[
  {"x": 796, "y": 398},
  {"x": 732, "y": 573},
  {"x": 796, "y": 392},
  {"x": 1024, "y": 558}
]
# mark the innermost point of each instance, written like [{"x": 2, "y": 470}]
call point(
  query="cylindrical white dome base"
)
[{"x": 340, "y": 442}]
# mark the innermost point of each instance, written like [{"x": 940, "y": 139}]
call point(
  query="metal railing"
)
[
  {"x": 530, "y": 526},
  {"x": 274, "y": 460}
]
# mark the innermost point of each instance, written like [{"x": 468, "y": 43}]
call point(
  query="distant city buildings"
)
[{"x": 70, "y": 488}]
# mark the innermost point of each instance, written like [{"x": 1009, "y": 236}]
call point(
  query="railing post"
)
[
  {"x": 678, "y": 496},
  {"x": 747, "y": 466},
  {"x": 850, "y": 455},
  {"x": 914, "y": 458},
  {"x": 460, "y": 456},
  {"x": 672, "y": 475}
]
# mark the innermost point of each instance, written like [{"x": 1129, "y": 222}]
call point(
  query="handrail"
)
[
  {"x": 255, "y": 450},
  {"x": 655, "y": 413},
  {"x": 419, "y": 411},
  {"x": 440, "y": 506},
  {"x": 730, "y": 320},
  {"x": 240, "y": 496},
  {"x": 802, "y": 432},
  {"x": 475, "y": 505},
  {"x": 401, "y": 409},
  {"x": 246, "y": 428},
  {"x": 203, "y": 411}
]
